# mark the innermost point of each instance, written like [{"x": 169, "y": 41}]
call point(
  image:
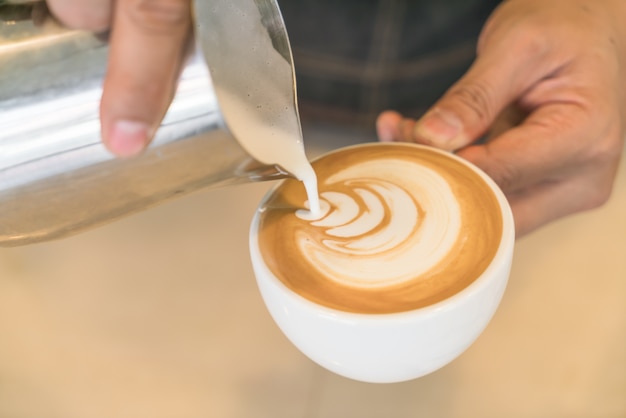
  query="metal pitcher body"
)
[{"x": 56, "y": 178}]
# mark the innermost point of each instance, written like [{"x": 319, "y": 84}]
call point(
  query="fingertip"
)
[
  {"x": 128, "y": 138},
  {"x": 387, "y": 126}
]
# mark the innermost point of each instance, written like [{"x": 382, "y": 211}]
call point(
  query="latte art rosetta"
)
[
  {"x": 400, "y": 227},
  {"x": 409, "y": 223}
]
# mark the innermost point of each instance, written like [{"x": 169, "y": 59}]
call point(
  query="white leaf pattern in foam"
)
[
  {"x": 369, "y": 219},
  {"x": 399, "y": 251},
  {"x": 400, "y": 226},
  {"x": 345, "y": 209}
]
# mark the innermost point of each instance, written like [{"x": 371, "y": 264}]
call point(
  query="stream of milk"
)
[{"x": 255, "y": 87}]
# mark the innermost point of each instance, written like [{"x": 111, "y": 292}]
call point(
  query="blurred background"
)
[{"x": 158, "y": 315}]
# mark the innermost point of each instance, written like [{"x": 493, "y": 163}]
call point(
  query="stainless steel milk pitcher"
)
[{"x": 56, "y": 178}]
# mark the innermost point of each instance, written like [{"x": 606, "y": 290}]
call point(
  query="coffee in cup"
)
[{"x": 403, "y": 230}]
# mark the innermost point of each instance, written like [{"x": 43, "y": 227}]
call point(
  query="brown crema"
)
[{"x": 470, "y": 254}]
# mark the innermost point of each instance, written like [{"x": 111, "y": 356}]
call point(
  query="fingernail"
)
[
  {"x": 128, "y": 138},
  {"x": 385, "y": 133},
  {"x": 438, "y": 127}
]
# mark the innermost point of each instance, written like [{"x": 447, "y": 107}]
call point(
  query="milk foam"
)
[
  {"x": 400, "y": 227},
  {"x": 388, "y": 213}
]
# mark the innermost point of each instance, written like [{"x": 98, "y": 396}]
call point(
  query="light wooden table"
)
[{"x": 158, "y": 316}]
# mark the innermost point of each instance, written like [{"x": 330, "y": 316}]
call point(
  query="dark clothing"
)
[{"x": 355, "y": 58}]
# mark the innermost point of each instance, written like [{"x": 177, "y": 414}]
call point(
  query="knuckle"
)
[
  {"x": 597, "y": 195},
  {"x": 601, "y": 146},
  {"x": 529, "y": 40},
  {"x": 160, "y": 16},
  {"x": 477, "y": 97},
  {"x": 600, "y": 197},
  {"x": 606, "y": 152},
  {"x": 602, "y": 163},
  {"x": 600, "y": 192}
]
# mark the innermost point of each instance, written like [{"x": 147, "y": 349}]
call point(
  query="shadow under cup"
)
[{"x": 371, "y": 314}]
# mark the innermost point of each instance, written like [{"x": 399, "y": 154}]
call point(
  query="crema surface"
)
[{"x": 401, "y": 227}]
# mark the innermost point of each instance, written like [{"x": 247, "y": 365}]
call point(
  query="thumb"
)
[{"x": 467, "y": 110}]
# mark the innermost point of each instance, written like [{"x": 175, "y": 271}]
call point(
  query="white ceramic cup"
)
[{"x": 394, "y": 347}]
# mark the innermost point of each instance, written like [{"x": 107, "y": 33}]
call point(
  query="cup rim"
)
[{"x": 504, "y": 251}]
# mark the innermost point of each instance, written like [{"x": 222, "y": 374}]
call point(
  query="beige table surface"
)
[{"x": 158, "y": 315}]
